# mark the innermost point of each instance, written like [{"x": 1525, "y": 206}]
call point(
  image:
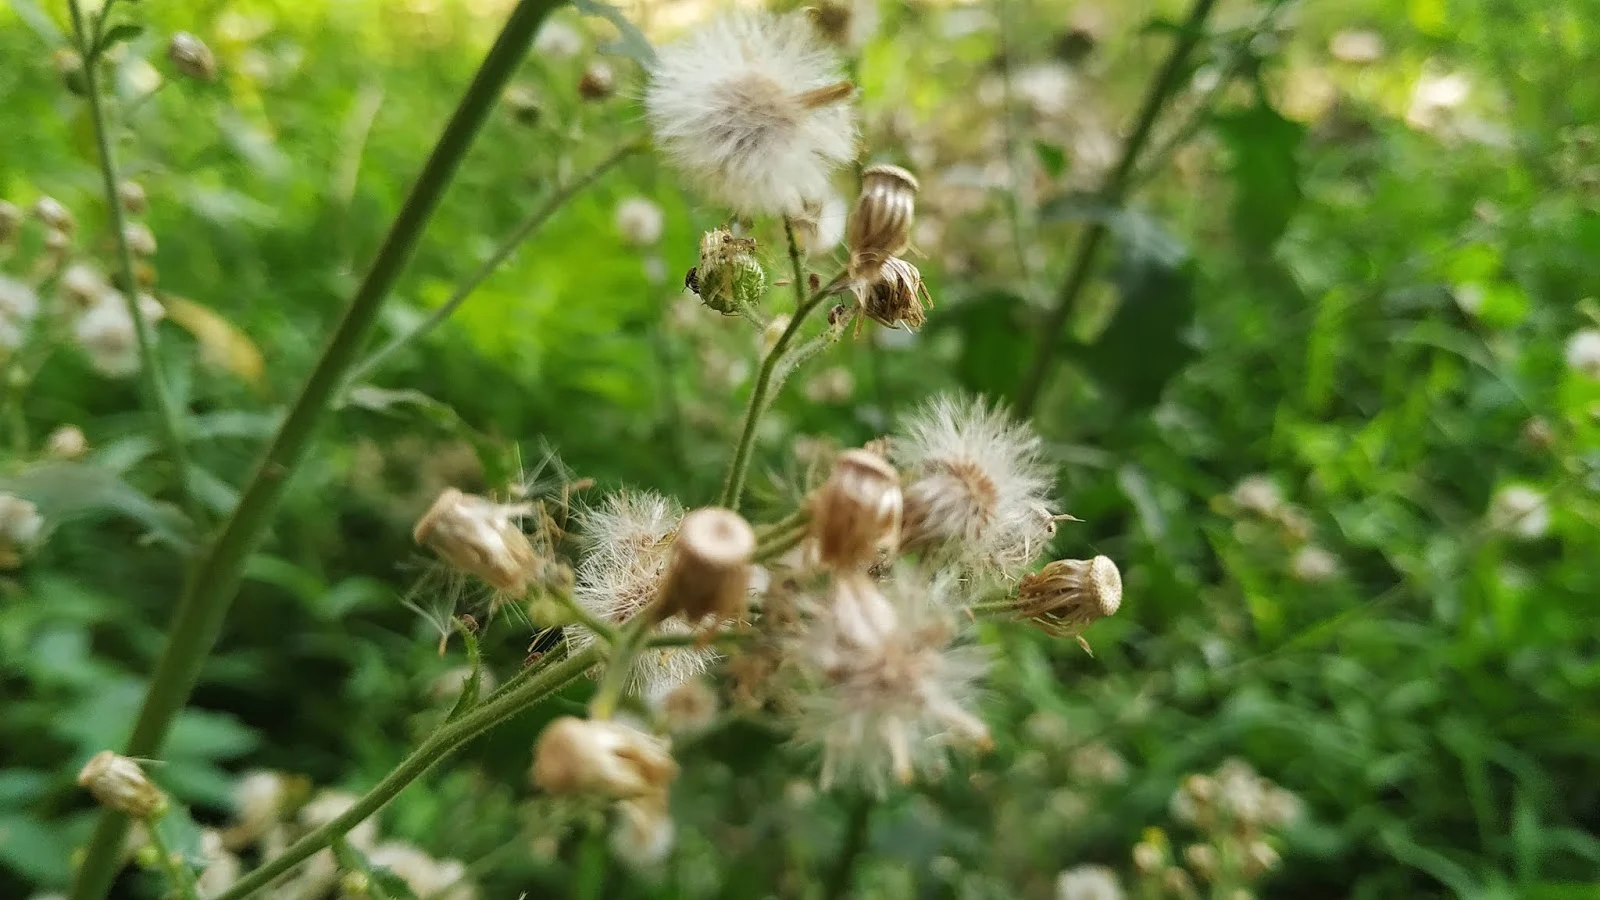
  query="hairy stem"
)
[
  {"x": 531, "y": 224},
  {"x": 155, "y": 386},
  {"x": 1111, "y": 195},
  {"x": 619, "y": 668},
  {"x": 204, "y": 603},
  {"x": 805, "y": 304},
  {"x": 436, "y": 747}
]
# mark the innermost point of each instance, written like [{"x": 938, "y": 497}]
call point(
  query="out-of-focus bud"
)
[
  {"x": 119, "y": 783},
  {"x": 688, "y": 709},
  {"x": 1202, "y": 858},
  {"x": 1069, "y": 595},
  {"x": 141, "y": 240},
  {"x": 190, "y": 55},
  {"x": 133, "y": 198},
  {"x": 69, "y": 66},
  {"x": 880, "y": 226},
  {"x": 857, "y": 512},
  {"x": 861, "y": 613},
  {"x": 481, "y": 537},
  {"x": 1177, "y": 883},
  {"x": 598, "y": 81},
  {"x": 773, "y": 331},
  {"x": 729, "y": 275},
  {"x": 595, "y": 756},
  {"x": 709, "y": 574},
  {"x": 55, "y": 215},
  {"x": 1259, "y": 859},
  {"x": 10, "y": 221},
  {"x": 524, "y": 104},
  {"x": 643, "y": 834},
  {"x": 21, "y": 530},
  {"x": 640, "y": 221},
  {"x": 66, "y": 442},
  {"x": 1148, "y": 858}
]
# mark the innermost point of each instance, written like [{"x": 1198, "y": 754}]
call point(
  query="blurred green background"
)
[{"x": 1360, "y": 243}]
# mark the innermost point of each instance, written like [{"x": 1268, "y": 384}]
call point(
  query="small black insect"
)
[{"x": 692, "y": 280}]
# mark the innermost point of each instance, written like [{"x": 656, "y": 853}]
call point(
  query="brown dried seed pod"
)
[
  {"x": 597, "y": 756},
  {"x": 895, "y": 299},
  {"x": 120, "y": 784},
  {"x": 880, "y": 225},
  {"x": 481, "y": 537},
  {"x": 709, "y": 574},
  {"x": 857, "y": 511},
  {"x": 1068, "y": 595}
]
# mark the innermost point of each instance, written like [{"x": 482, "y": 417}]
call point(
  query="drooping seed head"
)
[
  {"x": 880, "y": 225},
  {"x": 709, "y": 574},
  {"x": 856, "y": 513},
  {"x": 895, "y": 297},
  {"x": 1069, "y": 595},
  {"x": 480, "y": 537}
]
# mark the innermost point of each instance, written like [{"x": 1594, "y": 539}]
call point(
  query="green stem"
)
[
  {"x": 1111, "y": 195},
  {"x": 603, "y": 630},
  {"x": 738, "y": 469},
  {"x": 351, "y": 859},
  {"x": 204, "y": 603},
  {"x": 531, "y": 224},
  {"x": 857, "y": 830},
  {"x": 779, "y": 544},
  {"x": 436, "y": 747},
  {"x": 174, "y": 866},
  {"x": 155, "y": 385},
  {"x": 619, "y": 668}
]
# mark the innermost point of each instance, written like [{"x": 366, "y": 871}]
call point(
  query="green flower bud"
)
[{"x": 729, "y": 275}]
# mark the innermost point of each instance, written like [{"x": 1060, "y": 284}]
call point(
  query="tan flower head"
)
[
  {"x": 1069, "y": 595},
  {"x": 880, "y": 225},
  {"x": 120, "y": 784},
  {"x": 895, "y": 298},
  {"x": 481, "y": 537},
  {"x": 857, "y": 511},
  {"x": 709, "y": 574},
  {"x": 596, "y": 756}
]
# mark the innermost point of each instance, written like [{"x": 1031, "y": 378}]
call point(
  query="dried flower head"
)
[
  {"x": 1069, "y": 595},
  {"x": 21, "y": 528},
  {"x": 481, "y": 537},
  {"x": 855, "y": 515},
  {"x": 688, "y": 709},
  {"x": 55, "y": 215},
  {"x": 976, "y": 486},
  {"x": 640, "y": 221},
  {"x": 885, "y": 709},
  {"x": 628, "y": 541},
  {"x": 880, "y": 225},
  {"x": 190, "y": 55},
  {"x": 599, "y": 756},
  {"x": 709, "y": 574},
  {"x": 643, "y": 833},
  {"x": 1583, "y": 353},
  {"x": 1519, "y": 512},
  {"x": 119, "y": 783},
  {"x": 896, "y": 298},
  {"x": 729, "y": 275},
  {"x": 752, "y": 108},
  {"x": 1088, "y": 883}
]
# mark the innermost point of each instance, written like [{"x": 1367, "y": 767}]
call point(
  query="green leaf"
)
[
  {"x": 1145, "y": 344},
  {"x": 33, "y": 850},
  {"x": 1052, "y": 157},
  {"x": 1265, "y": 166},
  {"x": 203, "y": 734},
  {"x": 118, "y": 34},
  {"x": 69, "y": 491},
  {"x": 21, "y": 786},
  {"x": 994, "y": 344},
  {"x": 469, "y": 690}
]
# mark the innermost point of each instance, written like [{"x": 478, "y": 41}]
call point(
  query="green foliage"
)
[{"x": 1326, "y": 282}]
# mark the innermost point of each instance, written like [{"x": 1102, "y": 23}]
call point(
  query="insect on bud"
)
[
  {"x": 857, "y": 512},
  {"x": 729, "y": 275},
  {"x": 895, "y": 299},
  {"x": 598, "y": 81},
  {"x": 190, "y": 55},
  {"x": 481, "y": 537},
  {"x": 1069, "y": 595},
  {"x": 118, "y": 783},
  {"x": 709, "y": 574},
  {"x": 880, "y": 226},
  {"x": 596, "y": 756}
]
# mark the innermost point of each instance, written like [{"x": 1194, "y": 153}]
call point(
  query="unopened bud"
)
[
  {"x": 857, "y": 511},
  {"x": 862, "y": 615},
  {"x": 895, "y": 298},
  {"x": 595, "y": 756},
  {"x": 1202, "y": 858},
  {"x": 729, "y": 276},
  {"x": 1177, "y": 883},
  {"x": 133, "y": 198},
  {"x": 481, "y": 537},
  {"x": 1259, "y": 859},
  {"x": 880, "y": 226},
  {"x": 66, "y": 442},
  {"x": 1148, "y": 858},
  {"x": 598, "y": 81},
  {"x": 709, "y": 574},
  {"x": 190, "y": 55},
  {"x": 141, "y": 240},
  {"x": 118, "y": 783},
  {"x": 10, "y": 221},
  {"x": 1069, "y": 595},
  {"x": 55, "y": 215},
  {"x": 69, "y": 67},
  {"x": 524, "y": 104},
  {"x": 81, "y": 285},
  {"x": 57, "y": 243}
]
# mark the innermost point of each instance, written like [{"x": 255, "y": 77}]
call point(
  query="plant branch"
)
[
  {"x": 155, "y": 386},
  {"x": 174, "y": 866},
  {"x": 531, "y": 224},
  {"x": 738, "y": 469},
  {"x": 857, "y": 830},
  {"x": 204, "y": 603},
  {"x": 1111, "y": 194},
  {"x": 436, "y": 747}
]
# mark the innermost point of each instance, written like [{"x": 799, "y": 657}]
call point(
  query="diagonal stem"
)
[
  {"x": 1111, "y": 195},
  {"x": 532, "y": 223},
  {"x": 211, "y": 587},
  {"x": 155, "y": 385}
]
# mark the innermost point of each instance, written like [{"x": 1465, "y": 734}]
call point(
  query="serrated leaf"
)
[
  {"x": 633, "y": 43},
  {"x": 70, "y": 491}
]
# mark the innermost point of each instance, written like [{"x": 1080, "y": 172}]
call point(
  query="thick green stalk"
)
[
  {"x": 155, "y": 385},
  {"x": 435, "y": 748},
  {"x": 215, "y": 578},
  {"x": 804, "y": 304},
  {"x": 1111, "y": 195},
  {"x": 532, "y": 223}
]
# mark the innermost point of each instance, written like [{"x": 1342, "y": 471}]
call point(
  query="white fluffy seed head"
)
[
  {"x": 752, "y": 109},
  {"x": 884, "y": 711},
  {"x": 1520, "y": 512},
  {"x": 640, "y": 221},
  {"x": 628, "y": 545},
  {"x": 976, "y": 487}
]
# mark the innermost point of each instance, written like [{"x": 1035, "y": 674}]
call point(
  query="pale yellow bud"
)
[
  {"x": 1202, "y": 858},
  {"x": 133, "y": 198},
  {"x": 119, "y": 783},
  {"x": 594, "y": 756},
  {"x": 478, "y": 536},
  {"x": 66, "y": 442}
]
